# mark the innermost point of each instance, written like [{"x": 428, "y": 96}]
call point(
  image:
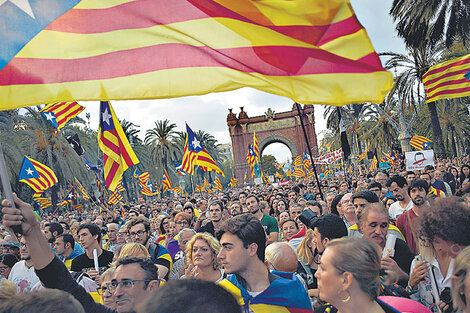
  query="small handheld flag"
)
[
  {"x": 60, "y": 113},
  {"x": 37, "y": 175},
  {"x": 420, "y": 142}
]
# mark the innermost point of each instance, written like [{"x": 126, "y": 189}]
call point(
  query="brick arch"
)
[
  {"x": 283, "y": 127},
  {"x": 273, "y": 138}
]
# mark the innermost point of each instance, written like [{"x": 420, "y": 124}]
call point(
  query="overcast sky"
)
[{"x": 209, "y": 112}]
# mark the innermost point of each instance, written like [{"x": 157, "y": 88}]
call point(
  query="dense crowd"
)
[{"x": 379, "y": 241}]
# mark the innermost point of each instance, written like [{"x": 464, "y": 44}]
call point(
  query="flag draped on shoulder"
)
[
  {"x": 60, "y": 113},
  {"x": 448, "y": 80},
  {"x": 37, "y": 175},
  {"x": 420, "y": 142},
  {"x": 196, "y": 154},
  {"x": 160, "y": 49},
  {"x": 118, "y": 155}
]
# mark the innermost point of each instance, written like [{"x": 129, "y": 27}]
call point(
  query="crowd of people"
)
[{"x": 383, "y": 241}]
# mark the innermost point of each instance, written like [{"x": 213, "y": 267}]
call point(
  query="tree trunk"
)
[
  {"x": 436, "y": 131},
  {"x": 454, "y": 146},
  {"x": 404, "y": 136}
]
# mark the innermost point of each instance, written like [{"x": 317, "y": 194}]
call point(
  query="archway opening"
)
[{"x": 279, "y": 151}]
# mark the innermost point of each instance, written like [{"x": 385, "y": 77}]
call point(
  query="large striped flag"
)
[
  {"x": 60, "y": 113},
  {"x": 37, "y": 175},
  {"x": 82, "y": 190},
  {"x": 420, "y": 142},
  {"x": 447, "y": 80},
  {"x": 166, "y": 183},
  {"x": 309, "y": 51},
  {"x": 195, "y": 154},
  {"x": 118, "y": 155}
]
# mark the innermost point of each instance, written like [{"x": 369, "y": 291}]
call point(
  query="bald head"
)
[{"x": 282, "y": 257}]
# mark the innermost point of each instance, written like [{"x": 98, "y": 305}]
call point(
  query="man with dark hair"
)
[
  {"x": 63, "y": 246},
  {"x": 293, "y": 194},
  {"x": 410, "y": 176},
  {"x": 269, "y": 223},
  {"x": 304, "y": 193},
  {"x": 52, "y": 230},
  {"x": 361, "y": 198},
  {"x": 243, "y": 253},
  {"x": 215, "y": 215},
  {"x": 418, "y": 191},
  {"x": 399, "y": 188},
  {"x": 375, "y": 187},
  {"x": 190, "y": 296},
  {"x": 139, "y": 232},
  {"x": 325, "y": 228},
  {"x": 428, "y": 177},
  {"x": 90, "y": 237}
]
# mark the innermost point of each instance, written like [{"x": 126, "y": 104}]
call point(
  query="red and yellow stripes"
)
[
  {"x": 46, "y": 179},
  {"x": 63, "y": 111},
  {"x": 309, "y": 51},
  {"x": 446, "y": 80}
]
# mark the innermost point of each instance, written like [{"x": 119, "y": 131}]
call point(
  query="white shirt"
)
[
  {"x": 23, "y": 277},
  {"x": 396, "y": 209}
]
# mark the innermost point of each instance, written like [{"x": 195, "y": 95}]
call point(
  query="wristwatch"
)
[{"x": 410, "y": 289}]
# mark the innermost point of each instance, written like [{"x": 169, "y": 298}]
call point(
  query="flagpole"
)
[
  {"x": 309, "y": 150},
  {"x": 192, "y": 183}
]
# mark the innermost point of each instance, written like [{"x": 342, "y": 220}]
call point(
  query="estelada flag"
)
[
  {"x": 37, "y": 175},
  {"x": 311, "y": 51},
  {"x": 60, "y": 113},
  {"x": 118, "y": 155}
]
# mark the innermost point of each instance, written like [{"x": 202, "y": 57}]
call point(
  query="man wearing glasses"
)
[
  {"x": 139, "y": 232},
  {"x": 133, "y": 280}
]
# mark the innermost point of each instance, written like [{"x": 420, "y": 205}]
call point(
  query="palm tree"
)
[
  {"x": 409, "y": 87},
  {"x": 43, "y": 143},
  {"x": 10, "y": 138},
  {"x": 160, "y": 140},
  {"x": 419, "y": 21}
]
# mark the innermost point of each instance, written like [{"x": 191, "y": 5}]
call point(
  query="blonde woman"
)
[
  {"x": 461, "y": 281},
  {"x": 306, "y": 255},
  {"x": 201, "y": 258},
  {"x": 133, "y": 250}
]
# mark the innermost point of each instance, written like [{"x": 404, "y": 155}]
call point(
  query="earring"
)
[{"x": 347, "y": 299}]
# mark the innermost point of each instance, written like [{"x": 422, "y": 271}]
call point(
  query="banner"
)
[
  {"x": 417, "y": 160},
  {"x": 329, "y": 157},
  {"x": 284, "y": 183}
]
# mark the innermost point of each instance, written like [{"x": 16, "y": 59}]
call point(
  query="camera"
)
[
  {"x": 308, "y": 218},
  {"x": 446, "y": 297}
]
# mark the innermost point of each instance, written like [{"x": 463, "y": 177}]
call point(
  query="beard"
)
[
  {"x": 418, "y": 200},
  {"x": 26, "y": 258},
  {"x": 51, "y": 240}
]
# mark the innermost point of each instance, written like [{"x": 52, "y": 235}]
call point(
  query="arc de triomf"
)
[{"x": 284, "y": 127}]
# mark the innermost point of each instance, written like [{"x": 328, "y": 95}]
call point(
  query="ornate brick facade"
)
[{"x": 271, "y": 127}]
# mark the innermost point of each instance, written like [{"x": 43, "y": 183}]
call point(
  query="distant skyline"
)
[{"x": 209, "y": 112}]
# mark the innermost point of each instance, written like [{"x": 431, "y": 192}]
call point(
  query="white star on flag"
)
[
  {"x": 23, "y": 5},
  {"x": 106, "y": 116},
  {"x": 29, "y": 171},
  {"x": 49, "y": 116},
  {"x": 196, "y": 143}
]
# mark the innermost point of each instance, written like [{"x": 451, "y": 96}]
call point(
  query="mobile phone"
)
[
  {"x": 7, "y": 188},
  {"x": 418, "y": 258}
]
